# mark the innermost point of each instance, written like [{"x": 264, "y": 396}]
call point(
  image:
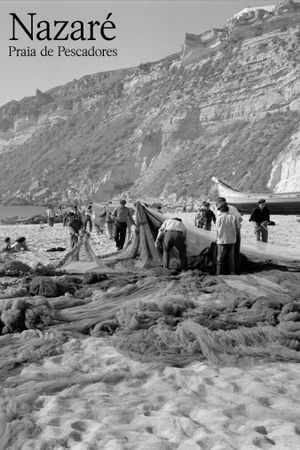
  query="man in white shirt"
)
[
  {"x": 122, "y": 216},
  {"x": 174, "y": 235},
  {"x": 234, "y": 211},
  {"x": 226, "y": 226}
]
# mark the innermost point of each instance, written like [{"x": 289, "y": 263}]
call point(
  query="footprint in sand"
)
[
  {"x": 239, "y": 410},
  {"x": 55, "y": 422},
  {"x": 261, "y": 429},
  {"x": 265, "y": 401},
  {"x": 75, "y": 436},
  {"x": 263, "y": 442},
  {"x": 79, "y": 425},
  {"x": 208, "y": 381},
  {"x": 235, "y": 387}
]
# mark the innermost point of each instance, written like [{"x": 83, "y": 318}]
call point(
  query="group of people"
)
[
  {"x": 53, "y": 215},
  {"x": 228, "y": 222},
  {"x": 18, "y": 245},
  {"x": 118, "y": 222},
  {"x": 172, "y": 233}
]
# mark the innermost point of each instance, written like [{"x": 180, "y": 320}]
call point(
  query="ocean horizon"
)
[{"x": 20, "y": 210}]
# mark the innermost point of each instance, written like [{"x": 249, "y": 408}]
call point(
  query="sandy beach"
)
[
  {"x": 86, "y": 394},
  {"x": 40, "y": 238}
]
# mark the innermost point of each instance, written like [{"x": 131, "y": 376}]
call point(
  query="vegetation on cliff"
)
[{"x": 162, "y": 128}]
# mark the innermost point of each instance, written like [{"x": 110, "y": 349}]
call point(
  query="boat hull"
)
[
  {"x": 276, "y": 207},
  {"x": 278, "y": 204}
]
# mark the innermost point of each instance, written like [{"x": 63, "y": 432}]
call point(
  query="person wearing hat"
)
[
  {"x": 232, "y": 209},
  {"x": 226, "y": 226},
  {"x": 173, "y": 234},
  {"x": 73, "y": 220},
  {"x": 237, "y": 246},
  {"x": 261, "y": 217},
  {"x": 121, "y": 215}
]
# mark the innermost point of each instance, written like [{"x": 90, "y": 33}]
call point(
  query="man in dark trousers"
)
[
  {"x": 88, "y": 217},
  {"x": 226, "y": 226},
  {"x": 261, "y": 217},
  {"x": 234, "y": 211},
  {"x": 174, "y": 235},
  {"x": 121, "y": 215},
  {"x": 73, "y": 220}
]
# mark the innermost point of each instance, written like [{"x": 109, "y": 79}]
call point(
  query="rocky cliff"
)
[{"x": 228, "y": 105}]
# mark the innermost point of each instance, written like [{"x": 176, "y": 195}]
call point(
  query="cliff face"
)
[{"x": 228, "y": 105}]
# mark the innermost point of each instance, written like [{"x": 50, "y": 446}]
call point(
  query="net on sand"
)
[
  {"x": 172, "y": 320},
  {"x": 164, "y": 320},
  {"x": 180, "y": 320}
]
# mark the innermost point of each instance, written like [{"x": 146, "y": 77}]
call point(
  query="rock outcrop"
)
[{"x": 228, "y": 105}]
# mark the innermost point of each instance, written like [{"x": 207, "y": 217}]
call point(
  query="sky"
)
[{"x": 145, "y": 31}]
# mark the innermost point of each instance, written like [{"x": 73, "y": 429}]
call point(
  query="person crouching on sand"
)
[{"x": 173, "y": 232}]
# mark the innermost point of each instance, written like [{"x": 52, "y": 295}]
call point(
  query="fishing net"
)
[
  {"x": 17, "y": 411},
  {"x": 142, "y": 252},
  {"x": 175, "y": 328},
  {"x": 45, "y": 270},
  {"x": 29, "y": 346},
  {"x": 44, "y": 286},
  {"x": 180, "y": 319},
  {"x": 25, "y": 313},
  {"x": 168, "y": 319},
  {"x": 14, "y": 291},
  {"x": 14, "y": 268}
]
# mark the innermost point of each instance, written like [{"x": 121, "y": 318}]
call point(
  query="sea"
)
[{"x": 20, "y": 211}]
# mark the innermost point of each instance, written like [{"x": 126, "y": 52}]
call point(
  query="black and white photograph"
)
[{"x": 150, "y": 224}]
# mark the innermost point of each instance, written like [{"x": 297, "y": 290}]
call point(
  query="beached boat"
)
[{"x": 287, "y": 203}]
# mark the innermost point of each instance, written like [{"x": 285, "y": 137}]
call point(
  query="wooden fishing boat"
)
[{"x": 286, "y": 203}]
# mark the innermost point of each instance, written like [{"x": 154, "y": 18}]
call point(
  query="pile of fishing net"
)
[
  {"x": 49, "y": 287},
  {"x": 45, "y": 270},
  {"x": 172, "y": 320},
  {"x": 224, "y": 320},
  {"x": 14, "y": 291},
  {"x": 28, "y": 346},
  {"x": 14, "y": 268},
  {"x": 25, "y": 313}
]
